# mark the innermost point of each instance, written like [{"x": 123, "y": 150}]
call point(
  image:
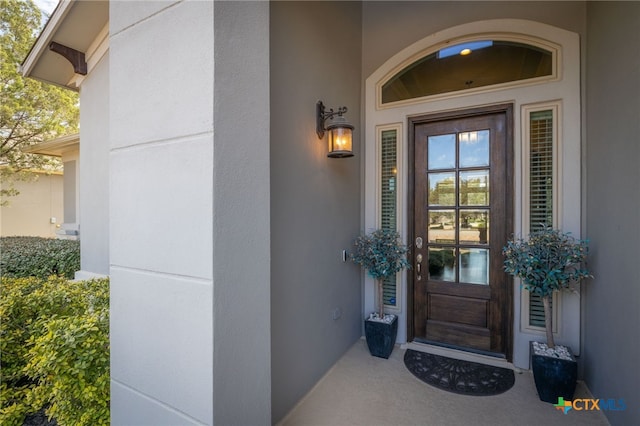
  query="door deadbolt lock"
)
[{"x": 419, "y": 242}]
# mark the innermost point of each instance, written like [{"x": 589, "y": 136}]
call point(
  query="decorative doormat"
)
[{"x": 457, "y": 376}]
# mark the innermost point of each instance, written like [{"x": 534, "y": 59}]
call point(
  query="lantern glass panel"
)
[{"x": 340, "y": 140}]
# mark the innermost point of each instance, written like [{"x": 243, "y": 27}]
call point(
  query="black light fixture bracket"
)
[{"x": 323, "y": 115}]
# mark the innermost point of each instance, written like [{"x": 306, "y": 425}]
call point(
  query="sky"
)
[{"x": 46, "y": 6}]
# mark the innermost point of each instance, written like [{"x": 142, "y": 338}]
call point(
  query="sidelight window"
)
[
  {"x": 541, "y": 150},
  {"x": 388, "y": 193}
]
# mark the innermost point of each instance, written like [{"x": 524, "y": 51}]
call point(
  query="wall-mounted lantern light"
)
[{"x": 340, "y": 131}]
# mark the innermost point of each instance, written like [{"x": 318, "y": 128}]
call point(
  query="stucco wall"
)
[
  {"x": 612, "y": 339},
  {"x": 241, "y": 235},
  {"x": 161, "y": 209},
  {"x": 71, "y": 192},
  {"x": 93, "y": 185},
  {"x": 190, "y": 339},
  {"x": 30, "y": 212},
  {"x": 391, "y": 26},
  {"x": 315, "y": 200}
]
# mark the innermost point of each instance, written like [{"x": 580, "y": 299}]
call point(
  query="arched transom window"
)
[{"x": 470, "y": 65}]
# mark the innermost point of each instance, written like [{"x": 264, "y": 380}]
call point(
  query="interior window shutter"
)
[
  {"x": 388, "y": 197},
  {"x": 540, "y": 189}
]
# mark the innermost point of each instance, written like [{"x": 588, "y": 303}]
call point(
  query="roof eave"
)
[
  {"x": 74, "y": 38},
  {"x": 55, "y": 147},
  {"x": 44, "y": 39}
]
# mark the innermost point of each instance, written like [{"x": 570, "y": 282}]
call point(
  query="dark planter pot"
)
[
  {"x": 381, "y": 337},
  {"x": 554, "y": 377}
]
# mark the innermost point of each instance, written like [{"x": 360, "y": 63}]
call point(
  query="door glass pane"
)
[
  {"x": 442, "y": 152},
  {"x": 442, "y": 264},
  {"x": 474, "y": 226},
  {"x": 459, "y": 207},
  {"x": 474, "y": 188},
  {"x": 474, "y": 148},
  {"x": 442, "y": 226},
  {"x": 442, "y": 189},
  {"x": 474, "y": 265}
]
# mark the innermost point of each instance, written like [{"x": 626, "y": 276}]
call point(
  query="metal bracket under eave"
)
[{"x": 72, "y": 55}]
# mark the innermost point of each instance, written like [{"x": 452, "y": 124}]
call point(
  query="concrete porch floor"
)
[{"x": 364, "y": 390}]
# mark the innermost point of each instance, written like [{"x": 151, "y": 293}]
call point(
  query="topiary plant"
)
[
  {"x": 547, "y": 261},
  {"x": 382, "y": 254}
]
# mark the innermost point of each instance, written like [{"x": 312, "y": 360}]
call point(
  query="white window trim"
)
[
  {"x": 556, "y": 110},
  {"x": 556, "y": 71}
]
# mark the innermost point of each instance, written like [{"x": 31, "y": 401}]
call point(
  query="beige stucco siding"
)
[{"x": 32, "y": 212}]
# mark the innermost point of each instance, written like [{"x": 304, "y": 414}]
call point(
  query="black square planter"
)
[
  {"x": 381, "y": 337},
  {"x": 554, "y": 377}
]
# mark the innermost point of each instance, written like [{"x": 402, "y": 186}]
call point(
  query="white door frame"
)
[{"x": 563, "y": 88}]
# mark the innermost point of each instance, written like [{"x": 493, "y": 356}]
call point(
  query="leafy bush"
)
[
  {"x": 38, "y": 257},
  {"x": 54, "y": 349}
]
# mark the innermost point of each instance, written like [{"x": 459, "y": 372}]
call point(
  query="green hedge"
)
[
  {"x": 38, "y": 257},
  {"x": 54, "y": 350}
]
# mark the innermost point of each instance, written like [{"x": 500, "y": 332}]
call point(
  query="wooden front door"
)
[{"x": 461, "y": 208}]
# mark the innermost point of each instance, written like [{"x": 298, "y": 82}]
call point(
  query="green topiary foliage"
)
[
  {"x": 38, "y": 257},
  {"x": 549, "y": 260},
  {"x": 54, "y": 350},
  {"x": 382, "y": 254}
]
